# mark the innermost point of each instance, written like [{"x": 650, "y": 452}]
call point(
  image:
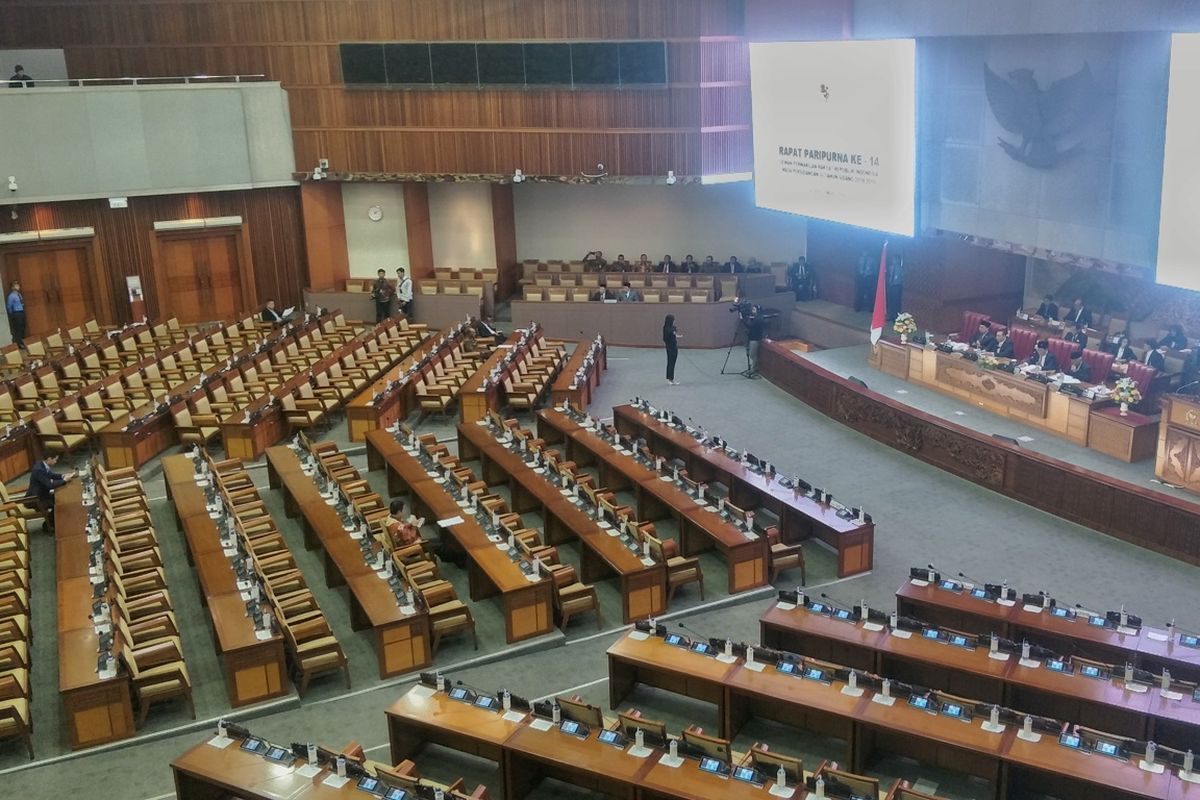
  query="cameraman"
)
[{"x": 755, "y": 325}]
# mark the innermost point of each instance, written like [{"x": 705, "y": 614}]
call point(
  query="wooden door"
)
[
  {"x": 200, "y": 277},
  {"x": 57, "y": 285}
]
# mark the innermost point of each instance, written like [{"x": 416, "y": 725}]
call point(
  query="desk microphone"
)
[
  {"x": 1088, "y": 611},
  {"x": 695, "y": 633},
  {"x": 466, "y": 685},
  {"x": 836, "y": 604},
  {"x": 969, "y": 579}
]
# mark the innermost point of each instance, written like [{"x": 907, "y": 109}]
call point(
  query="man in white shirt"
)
[{"x": 404, "y": 291}]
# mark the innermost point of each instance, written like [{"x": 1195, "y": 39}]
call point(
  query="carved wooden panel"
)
[{"x": 1010, "y": 391}]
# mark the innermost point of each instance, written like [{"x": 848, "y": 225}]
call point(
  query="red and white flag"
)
[{"x": 879, "y": 317}]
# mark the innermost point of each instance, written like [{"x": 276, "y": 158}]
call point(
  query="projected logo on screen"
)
[{"x": 845, "y": 154}]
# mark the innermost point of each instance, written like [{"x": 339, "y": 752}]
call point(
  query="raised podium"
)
[{"x": 1178, "y": 460}]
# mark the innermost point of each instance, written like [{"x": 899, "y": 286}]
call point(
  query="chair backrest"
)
[
  {"x": 970, "y": 322},
  {"x": 1142, "y": 375},
  {"x": 1061, "y": 349},
  {"x": 1099, "y": 362},
  {"x": 1024, "y": 342}
]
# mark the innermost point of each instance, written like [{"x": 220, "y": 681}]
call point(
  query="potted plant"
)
[
  {"x": 1126, "y": 393},
  {"x": 904, "y": 325}
]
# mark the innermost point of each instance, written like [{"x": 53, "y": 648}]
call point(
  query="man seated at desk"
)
[
  {"x": 1154, "y": 356},
  {"x": 1079, "y": 370},
  {"x": 594, "y": 261},
  {"x": 1122, "y": 352},
  {"x": 1002, "y": 346},
  {"x": 485, "y": 327},
  {"x": 269, "y": 314},
  {"x": 733, "y": 266},
  {"x": 1048, "y": 310},
  {"x": 621, "y": 265},
  {"x": 668, "y": 265},
  {"x": 602, "y": 293},
  {"x": 689, "y": 264},
  {"x": 403, "y": 529},
  {"x": 983, "y": 338},
  {"x": 1042, "y": 358},
  {"x": 43, "y": 480},
  {"x": 1079, "y": 313},
  {"x": 710, "y": 265},
  {"x": 1077, "y": 336},
  {"x": 1175, "y": 339},
  {"x": 628, "y": 294},
  {"x": 643, "y": 265}
]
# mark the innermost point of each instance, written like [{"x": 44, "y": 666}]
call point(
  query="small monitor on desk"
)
[
  {"x": 372, "y": 785},
  {"x": 923, "y": 702},
  {"x": 574, "y": 728},
  {"x": 677, "y": 640},
  {"x": 813, "y": 673},
  {"x": 613, "y": 738},
  {"x": 1062, "y": 612},
  {"x": 1107, "y": 748},
  {"x": 1093, "y": 671},
  {"x": 1058, "y": 665},
  {"x": 949, "y": 585},
  {"x": 1071, "y": 740},
  {"x": 1189, "y": 640},
  {"x": 748, "y": 775},
  {"x": 714, "y": 765}
]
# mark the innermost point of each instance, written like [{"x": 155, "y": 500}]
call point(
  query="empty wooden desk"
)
[
  {"x": 207, "y": 773},
  {"x": 1131, "y": 437},
  {"x": 255, "y": 669},
  {"x": 402, "y": 641},
  {"x": 643, "y": 586},
  {"x": 567, "y": 386},
  {"x": 528, "y": 609},
  {"x": 800, "y": 516},
  {"x": 96, "y": 709}
]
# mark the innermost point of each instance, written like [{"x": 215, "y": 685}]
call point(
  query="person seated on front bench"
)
[
  {"x": 594, "y": 261},
  {"x": 643, "y": 265},
  {"x": 1077, "y": 336},
  {"x": 1042, "y": 358},
  {"x": 485, "y": 327},
  {"x": 1079, "y": 370},
  {"x": 602, "y": 293},
  {"x": 1078, "y": 313},
  {"x": 269, "y": 314},
  {"x": 983, "y": 338},
  {"x": 1154, "y": 356},
  {"x": 403, "y": 528},
  {"x": 1123, "y": 353},
  {"x": 710, "y": 265},
  {"x": 1002, "y": 346},
  {"x": 621, "y": 265},
  {"x": 1048, "y": 309},
  {"x": 733, "y": 266},
  {"x": 689, "y": 264},
  {"x": 628, "y": 294},
  {"x": 667, "y": 265},
  {"x": 1175, "y": 339}
]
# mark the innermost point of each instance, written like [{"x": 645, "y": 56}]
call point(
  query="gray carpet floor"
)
[{"x": 922, "y": 514}]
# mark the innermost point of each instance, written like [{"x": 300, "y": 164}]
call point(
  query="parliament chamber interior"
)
[{"x": 553, "y": 399}]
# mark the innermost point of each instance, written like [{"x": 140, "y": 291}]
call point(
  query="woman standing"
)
[{"x": 671, "y": 340}]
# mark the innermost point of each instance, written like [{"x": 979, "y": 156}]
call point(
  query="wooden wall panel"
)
[
  {"x": 272, "y": 218},
  {"x": 504, "y": 227},
  {"x": 296, "y": 43},
  {"x": 325, "y": 234},
  {"x": 419, "y": 230}
]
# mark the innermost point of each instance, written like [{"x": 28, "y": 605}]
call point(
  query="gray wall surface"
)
[
  {"x": 1101, "y": 202},
  {"x": 882, "y": 19},
  {"x": 75, "y": 143}
]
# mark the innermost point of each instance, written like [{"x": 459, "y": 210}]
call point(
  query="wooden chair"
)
[
  {"x": 314, "y": 649},
  {"x": 52, "y": 438},
  {"x": 449, "y": 617},
  {"x": 680, "y": 570},
  {"x": 572, "y": 598},
  {"x": 157, "y": 673},
  {"x": 190, "y": 430},
  {"x": 784, "y": 556},
  {"x": 15, "y": 721}
]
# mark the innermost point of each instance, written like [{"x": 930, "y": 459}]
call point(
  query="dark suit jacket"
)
[
  {"x": 269, "y": 315},
  {"x": 1173, "y": 342},
  {"x": 42, "y": 483},
  {"x": 1048, "y": 363},
  {"x": 1048, "y": 310},
  {"x": 1124, "y": 354},
  {"x": 1078, "y": 338},
  {"x": 1083, "y": 315},
  {"x": 1003, "y": 349},
  {"x": 1156, "y": 360},
  {"x": 668, "y": 266},
  {"x": 984, "y": 341},
  {"x": 1084, "y": 373},
  {"x": 733, "y": 268}
]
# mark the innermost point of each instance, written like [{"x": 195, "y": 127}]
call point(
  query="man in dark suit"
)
[
  {"x": 1042, "y": 358},
  {"x": 602, "y": 293},
  {"x": 382, "y": 293},
  {"x": 1122, "y": 351},
  {"x": 1175, "y": 339},
  {"x": 269, "y": 314},
  {"x": 1077, "y": 336},
  {"x": 1079, "y": 369},
  {"x": 1002, "y": 346},
  {"x": 1154, "y": 356},
  {"x": 484, "y": 326},
  {"x": 43, "y": 480},
  {"x": 689, "y": 264},
  {"x": 1078, "y": 313},
  {"x": 1048, "y": 309},
  {"x": 733, "y": 266},
  {"x": 668, "y": 264},
  {"x": 983, "y": 338}
]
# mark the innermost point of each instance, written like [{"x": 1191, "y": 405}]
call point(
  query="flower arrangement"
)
[
  {"x": 988, "y": 361},
  {"x": 905, "y": 325},
  {"x": 1126, "y": 393}
]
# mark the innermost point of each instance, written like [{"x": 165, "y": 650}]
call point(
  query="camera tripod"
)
[{"x": 740, "y": 335}]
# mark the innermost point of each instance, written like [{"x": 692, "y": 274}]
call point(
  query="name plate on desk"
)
[
  {"x": 220, "y": 742},
  {"x": 786, "y": 606},
  {"x": 541, "y": 725},
  {"x": 873, "y": 627},
  {"x": 309, "y": 771},
  {"x": 334, "y": 782},
  {"x": 918, "y": 582}
]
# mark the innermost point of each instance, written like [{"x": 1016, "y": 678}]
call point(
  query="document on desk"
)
[
  {"x": 220, "y": 742},
  {"x": 450, "y": 522},
  {"x": 334, "y": 782},
  {"x": 541, "y": 725},
  {"x": 309, "y": 771}
]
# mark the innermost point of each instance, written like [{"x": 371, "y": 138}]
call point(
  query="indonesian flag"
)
[{"x": 880, "y": 314}]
